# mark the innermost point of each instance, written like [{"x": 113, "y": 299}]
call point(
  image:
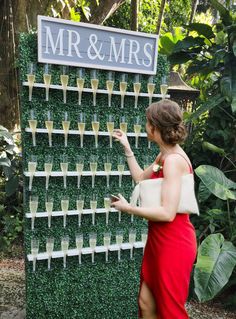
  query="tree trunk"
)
[
  {"x": 134, "y": 15},
  {"x": 193, "y": 12},
  {"x": 160, "y": 16}
]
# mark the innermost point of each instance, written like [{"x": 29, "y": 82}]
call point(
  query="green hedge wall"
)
[{"x": 100, "y": 290}]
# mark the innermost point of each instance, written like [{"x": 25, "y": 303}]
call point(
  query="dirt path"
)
[{"x": 12, "y": 296}]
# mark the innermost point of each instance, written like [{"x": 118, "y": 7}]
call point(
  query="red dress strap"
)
[{"x": 189, "y": 165}]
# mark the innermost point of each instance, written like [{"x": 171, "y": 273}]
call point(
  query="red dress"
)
[{"x": 167, "y": 263}]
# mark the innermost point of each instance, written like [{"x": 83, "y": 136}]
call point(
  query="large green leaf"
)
[
  {"x": 187, "y": 43},
  {"x": 215, "y": 263},
  {"x": 233, "y": 84},
  {"x": 166, "y": 45},
  {"x": 217, "y": 183},
  {"x": 12, "y": 185},
  {"x": 224, "y": 13},
  {"x": 201, "y": 29},
  {"x": 203, "y": 192},
  {"x": 225, "y": 86}
]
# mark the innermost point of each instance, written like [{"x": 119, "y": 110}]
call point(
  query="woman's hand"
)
[
  {"x": 121, "y": 204},
  {"x": 122, "y": 138}
]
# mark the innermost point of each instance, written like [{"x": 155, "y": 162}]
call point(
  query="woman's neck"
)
[{"x": 167, "y": 149}]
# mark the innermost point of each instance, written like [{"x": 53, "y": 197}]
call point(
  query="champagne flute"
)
[
  {"x": 81, "y": 127},
  {"x": 49, "y": 126},
  {"x": 123, "y": 87},
  {"x": 146, "y": 161},
  {"x": 34, "y": 251},
  {"x": 150, "y": 88},
  {"x": 48, "y": 168},
  {"x": 93, "y": 167},
  {"x": 79, "y": 168},
  {"x": 95, "y": 126},
  {"x": 49, "y": 208},
  {"x": 47, "y": 79},
  {"x": 49, "y": 249},
  {"x": 119, "y": 240},
  {"x": 33, "y": 204},
  {"x": 123, "y": 124},
  {"x": 137, "y": 87},
  {"x": 79, "y": 240},
  {"x": 144, "y": 235},
  {"x": 93, "y": 206},
  {"x": 110, "y": 84},
  {"x": 80, "y": 83},
  {"x": 107, "y": 168},
  {"x": 33, "y": 125},
  {"x": 94, "y": 84},
  {"x": 66, "y": 126},
  {"x": 32, "y": 164},
  {"x": 107, "y": 242},
  {"x": 64, "y": 208},
  {"x": 120, "y": 168},
  {"x": 64, "y": 248},
  {"x": 164, "y": 87},
  {"x": 107, "y": 205},
  {"x": 132, "y": 238},
  {"x": 64, "y": 167},
  {"x": 64, "y": 81},
  {"x": 110, "y": 127},
  {"x": 31, "y": 78},
  {"x": 80, "y": 207},
  {"x": 137, "y": 129},
  {"x": 92, "y": 243}
]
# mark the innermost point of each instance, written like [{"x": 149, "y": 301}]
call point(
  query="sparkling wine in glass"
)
[
  {"x": 107, "y": 168},
  {"x": 119, "y": 240},
  {"x": 79, "y": 240},
  {"x": 132, "y": 238},
  {"x": 95, "y": 127},
  {"x": 64, "y": 162},
  {"x": 123, "y": 87},
  {"x": 94, "y": 84},
  {"x": 34, "y": 251},
  {"x": 66, "y": 126},
  {"x": 48, "y": 162},
  {"x": 137, "y": 87},
  {"x": 80, "y": 207},
  {"x": 64, "y": 80},
  {"x": 110, "y": 127},
  {"x": 79, "y": 168},
  {"x": 107, "y": 206},
  {"x": 164, "y": 87},
  {"x": 107, "y": 242},
  {"x": 33, "y": 125},
  {"x": 64, "y": 208},
  {"x": 32, "y": 164},
  {"x": 123, "y": 124},
  {"x": 150, "y": 88},
  {"x": 110, "y": 84},
  {"x": 49, "y": 208},
  {"x": 137, "y": 129},
  {"x": 80, "y": 83},
  {"x": 93, "y": 163},
  {"x": 47, "y": 79},
  {"x": 93, "y": 206},
  {"x": 120, "y": 168},
  {"x": 33, "y": 205},
  {"x": 144, "y": 235},
  {"x": 31, "y": 78},
  {"x": 92, "y": 243},
  {"x": 49, "y": 126},
  {"x": 49, "y": 249},
  {"x": 64, "y": 248},
  {"x": 81, "y": 127}
]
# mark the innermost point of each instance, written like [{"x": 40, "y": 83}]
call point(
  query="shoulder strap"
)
[{"x": 189, "y": 165}]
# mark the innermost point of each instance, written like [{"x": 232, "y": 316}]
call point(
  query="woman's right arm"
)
[{"x": 137, "y": 173}]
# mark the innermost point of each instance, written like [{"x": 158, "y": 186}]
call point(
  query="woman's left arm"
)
[{"x": 170, "y": 195}]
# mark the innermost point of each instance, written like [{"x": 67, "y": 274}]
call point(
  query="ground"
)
[{"x": 12, "y": 296}]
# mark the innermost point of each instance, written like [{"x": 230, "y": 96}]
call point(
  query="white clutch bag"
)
[{"x": 148, "y": 194}]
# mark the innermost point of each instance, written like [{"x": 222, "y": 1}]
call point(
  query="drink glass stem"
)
[
  {"x": 93, "y": 180},
  {"x": 93, "y": 218},
  {"x": 136, "y": 101},
  {"x": 34, "y": 138},
  {"x": 94, "y": 98},
  {"x": 30, "y": 182},
  {"x": 47, "y": 181},
  {"x": 66, "y": 139},
  {"x": 64, "y": 180},
  {"x": 81, "y": 140},
  {"x": 34, "y": 264},
  {"x": 47, "y": 93},
  {"x": 32, "y": 222},
  {"x": 49, "y": 220},
  {"x": 50, "y": 139},
  {"x": 79, "y": 219},
  {"x": 119, "y": 216},
  {"x": 109, "y": 100},
  {"x": 49, "y": 262},
  {"x": 79, "y": 97},
  {"x": 30, "y": 92},
  {"x": 119, "y": 253},
  {"x": 96, "y": 140},
  {"x": 93, "y": 257},
  {"x": 64, "y": 96},
  {"x": 110, "y": 140},
  {"x": 131, "y": 252},
  {"x": 78, "y": 180},
  {"x": 64, "y": 260},
  {"x": 136, "y": 141},
  {"x": 122, "y": 100},
  {"x": 120, "y": 180},
  {"x": 108, "y": 180},
  {"x": 64, "y": 220},
  {"x": 107, "y": 255},
  {"x": 79, "y": 257},
  {"x": 107, "y": 217}
]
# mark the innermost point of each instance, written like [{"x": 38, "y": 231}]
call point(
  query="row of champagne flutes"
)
[
  {"x": 79, "y": 241},
  {"x": 94, "y": 80},
  {"x": 81, "y": 122},
  {"x": 107, "y": 160},
  {"x": 65, "y": 203}
]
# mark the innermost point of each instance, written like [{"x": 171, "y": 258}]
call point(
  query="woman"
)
[{"x": 171, "y": 246}]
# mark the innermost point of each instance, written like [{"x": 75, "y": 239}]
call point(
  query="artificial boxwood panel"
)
[{"x": 100, "y": 290}]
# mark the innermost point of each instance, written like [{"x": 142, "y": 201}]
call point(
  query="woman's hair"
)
[{"x": 167, "y": 118}]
